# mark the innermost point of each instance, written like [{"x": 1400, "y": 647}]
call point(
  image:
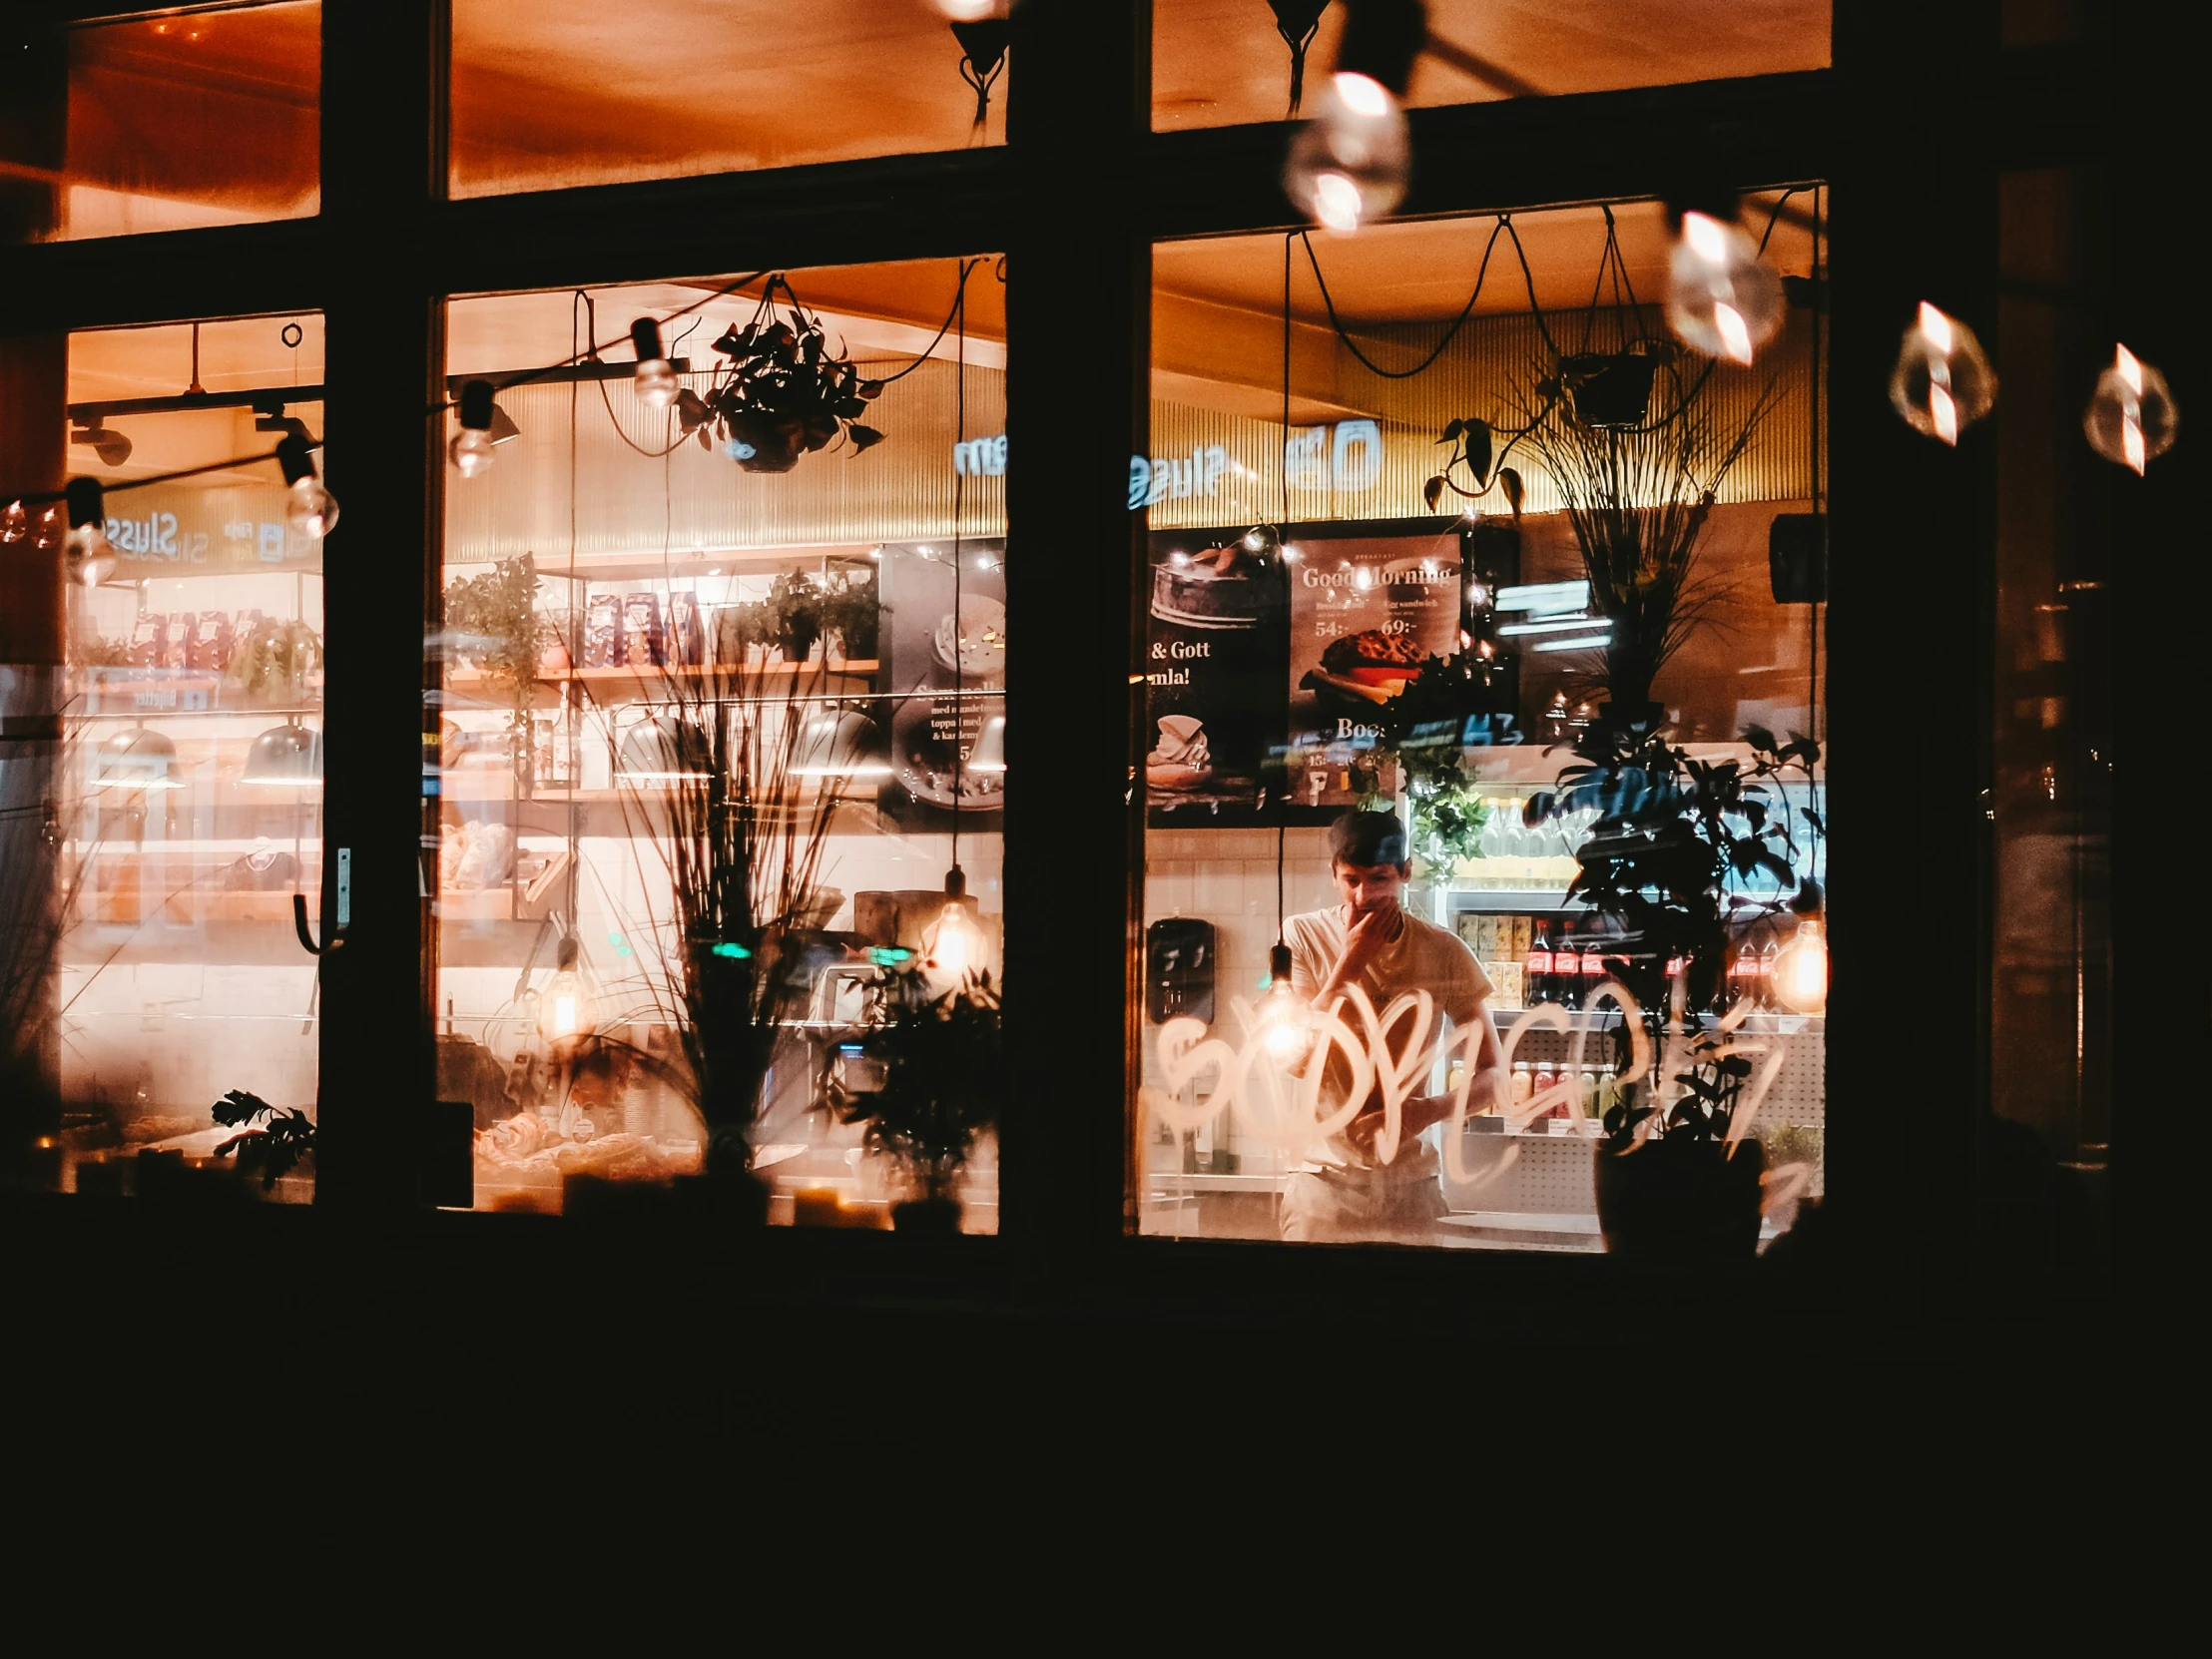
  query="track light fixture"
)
[{"x": 112, "y": 448}]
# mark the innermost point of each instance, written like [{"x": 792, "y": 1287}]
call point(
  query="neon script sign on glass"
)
[{"x": 1278, "y": 1101}]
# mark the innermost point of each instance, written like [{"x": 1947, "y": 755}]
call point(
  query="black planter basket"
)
[{"x": 1681, "y": 1200}]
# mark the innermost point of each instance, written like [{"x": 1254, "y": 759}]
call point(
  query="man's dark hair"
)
[{"x": 1367, "y": 838}]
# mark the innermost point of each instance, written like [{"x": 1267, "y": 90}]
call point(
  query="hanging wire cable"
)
[
  {"x": 1282, "y": 455},
  {"x": 590, "y": 353},
  {"x": 960, "y": 310},
  {"x": 960, "y": 501},
  {"x": 1451, "y": 333}
]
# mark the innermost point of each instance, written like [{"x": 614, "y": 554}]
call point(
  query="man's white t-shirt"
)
[{"x": 1420, "y": 957}]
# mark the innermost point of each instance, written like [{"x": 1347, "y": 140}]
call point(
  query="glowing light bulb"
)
[
  {"x": 655, "y": 379},
  {"x": 1799, "y": 977},
  {"x": 1284, "y": 1016},
  {"x": 1942, "y": 383},
  {"x": 953, "y": 944},
  {"x": 311, "y": 509},
  {"x": 1721, "y": 300},
  {"x": 1350, "y": 163},
  {"x": 90, "y": 555},
  {"x": 656, "y": 382},
  {"x": 308, "y": 507},
  {"x": 15, "y": 523},
  {"x": 471, "y": 452},
  {"x": 2131, "y": 418},
  {"x": 566, "y": 1009}
]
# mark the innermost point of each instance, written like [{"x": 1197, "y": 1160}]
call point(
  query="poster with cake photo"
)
[
  {"x": 1366, "y": 613},
  {"x": 945, "y": 679},
  {"x": 1214, "y": 656}
]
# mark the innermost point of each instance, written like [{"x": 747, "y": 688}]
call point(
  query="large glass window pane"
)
[
  {"x": 1216, "y": 63},
  {"x": 1367, "y": 689},
  {"x": 151, "y": 950},
  {"x": 723, "y": 708},
  {"x": 196, "y": 116},
  {"x": 551, "y": 93}
]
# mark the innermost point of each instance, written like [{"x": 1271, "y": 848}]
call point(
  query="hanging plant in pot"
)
[
  {"x": 1681, "y": 850},
  {"x": 781, "y": 393},
  {"x": 936, "y": 1060}
]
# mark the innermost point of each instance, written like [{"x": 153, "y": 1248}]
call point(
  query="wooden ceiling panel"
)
[{"x": 568, "y": 92}]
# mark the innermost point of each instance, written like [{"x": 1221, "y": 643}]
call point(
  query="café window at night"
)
[{"x": 1565, "y": 554}]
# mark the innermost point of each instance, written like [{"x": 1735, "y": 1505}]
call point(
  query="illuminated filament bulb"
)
[
  {"x": 2131, "y": 418},
  {"x": 1350, "y": 163},
  {"x": 472, "y": 450},
  {"x": 1283, "y": 1012},
  {"x": 566, "y": 1011},
  {"x": 1800, "y": 974},
  {"x": 954, "y": 945},
  {"x": 1721, "y": 298},
  {"x": 309, "y": 508},
  {"x": 654, "y": 378},
  {"x": 1942, "y": 383}
]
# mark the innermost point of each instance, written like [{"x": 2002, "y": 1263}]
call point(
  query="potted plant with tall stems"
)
[
  {"x": 1682, "y": 849},
  {"x": 1638, "y": 499},
  {"x": 722, "y": 801}
]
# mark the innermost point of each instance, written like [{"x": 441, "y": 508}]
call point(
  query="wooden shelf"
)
[{"x": 854, "y": 667}]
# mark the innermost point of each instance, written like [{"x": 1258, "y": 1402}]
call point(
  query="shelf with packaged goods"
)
[
  {"x": 173, "y": 693},
  {"x": 625, "y": 684},
  {"x": 1510, "y": 901},
  {"x": 685, "y": 565},
  {"x": 1764, "y": 1023}
]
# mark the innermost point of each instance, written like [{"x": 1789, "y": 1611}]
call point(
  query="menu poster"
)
[
  {"x": 1365, "y": 615},
  {"x": 1213, "y": 655},
  {"x": 944, "y": 681}
]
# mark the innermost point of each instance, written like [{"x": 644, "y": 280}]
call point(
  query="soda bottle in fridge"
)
[{"x": 1536, "y": 968}]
